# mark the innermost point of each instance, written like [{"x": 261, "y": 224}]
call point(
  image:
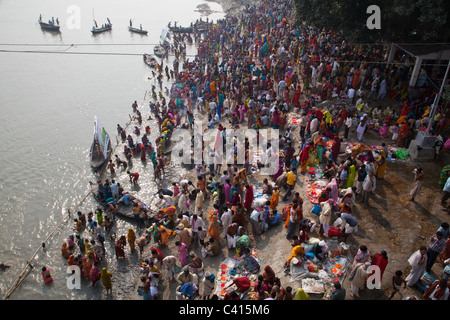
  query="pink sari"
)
[{"x": 182, "y": 254}]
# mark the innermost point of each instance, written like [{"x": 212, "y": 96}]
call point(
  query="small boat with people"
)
[
  {"x": 137, "y": 30},
  {"x": 51, "y": 25},
  {"x": 159, "y": 51},
  {"x": 150, "y": 60},
  {"x": 179, "y": 29},
  {"x": 125, "y": 205},
  {"x": 101, "y": 148},
  {"x": 105, "y": 27}
]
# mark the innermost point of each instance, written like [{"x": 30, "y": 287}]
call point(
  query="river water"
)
[{"x": 48, "y": 102}]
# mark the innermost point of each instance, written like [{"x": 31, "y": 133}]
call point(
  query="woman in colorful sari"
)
[
  {"x": 384, "y": 131},
  {"x": 276, "y": 118},
  {"x": 71, "y": 260},
  {"x": 297, "y": 252},
  {"x": 131, "y": 237},
  {"x": 94, "y": 274},
  {"x": 274, "y": 199},
  {"x": 88, "y": 249},
  {"x": 106, "y": 280},
  {"x": 305, "y": 156},
  {"x": 334, "y": 193},
  {"x": 163, "y": 235},
  {"x": 335, "y": 148},
  {"x": 249, "y": 197},
  {"x": 296, "y": 98},
  {"x": 242, "y": 242},
  {"x": 402, "y": 135},
  {"x": 301, "y": 295},
  {"x": 65, "y": 250},
  {"x": 269, "y": 277},
  {"x": 182, "y": 252},
  {"x": 319, "y": 147},
  {"x": 119, "y": 247},
  {"x": 288, "y": 155},
  {"x": 213, "y": 228},
  {"x": 86, "y": 266},
  {"x": 381, "y": 168},
  {"x": 283, "y": 119},
  {"x": 351, "y": 176},
  {"x": 257, "y": 123},
  {"x": 280, "y": 169}
]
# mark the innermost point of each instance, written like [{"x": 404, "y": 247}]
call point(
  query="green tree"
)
[{"x": 401, "y": 20}]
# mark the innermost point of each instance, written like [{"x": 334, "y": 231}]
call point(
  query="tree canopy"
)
[{"x": 401, "y": 20}]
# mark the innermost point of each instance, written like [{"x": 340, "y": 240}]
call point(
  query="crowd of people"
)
[{"x": 255, "y": 70}]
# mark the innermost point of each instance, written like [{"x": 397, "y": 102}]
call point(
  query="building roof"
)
[{"x": 439, "y": 51}]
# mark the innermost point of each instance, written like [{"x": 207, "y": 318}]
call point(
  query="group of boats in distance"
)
[{"x": 53, "y": 26}]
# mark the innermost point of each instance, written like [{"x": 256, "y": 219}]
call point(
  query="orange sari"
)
[
  {"x": 213, "y": 228},
  {"x": 274, "y": 200}
]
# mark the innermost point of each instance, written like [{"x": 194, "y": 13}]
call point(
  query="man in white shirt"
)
[
  {"x": 226, "y": 220},
  {"x": 194, "y": 223},
  {"x": 336, "y": 66},
  {"x": 303, "y": 124},
  {"x": 164, "y": 201},
  {"x": 369, "y": 186},
  {"x": 212, "y": 108},
  {"x": 313, "y": 76},
  {"x": 351, "y": 93},
  {"x": 256, "y": 219},
  {"x": 314, "y": 125},
  {"x": 348, "y": 124}
]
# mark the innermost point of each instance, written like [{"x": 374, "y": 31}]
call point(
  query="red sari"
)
[
  {"x": 335, "y": 148},
  {"x": 304, "y": 157},
  {"x": 446, "y": 253},
  {"x": 296, "y": 97},
  {"x": 381, "y": 262},
  {"x": 402, "y": 134},
  {"x": 249, "y": 197},
  {"x": 120, "y": 244}
]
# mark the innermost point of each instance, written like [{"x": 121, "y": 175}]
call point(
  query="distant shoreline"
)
[{"x": 232, "y": 7}]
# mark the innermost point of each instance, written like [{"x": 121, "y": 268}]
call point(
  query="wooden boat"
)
[
  {"x": 106, "y": 27},
  {"x": 150, "y": 60},
  {"x": 179, "y": 29},
  {"x": 159, "y": 51},
  {"x": 122, "y": 210},
  {"x": 50, "y": 26},
  {"x": 101, "y": 146},
  {"x": 201, "y": 26},
  {"x": 137, "y": 30}
]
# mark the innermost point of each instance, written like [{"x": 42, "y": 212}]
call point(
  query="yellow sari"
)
[
  {"x": 296, "y": 252},
  {"x": 381, "y": 168},
  {"x": 301, "y": 295},
  {"x": 131, "y": 237},
  {"x": 164, "y": 234},
  {"x": 106, "y": 279}
]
